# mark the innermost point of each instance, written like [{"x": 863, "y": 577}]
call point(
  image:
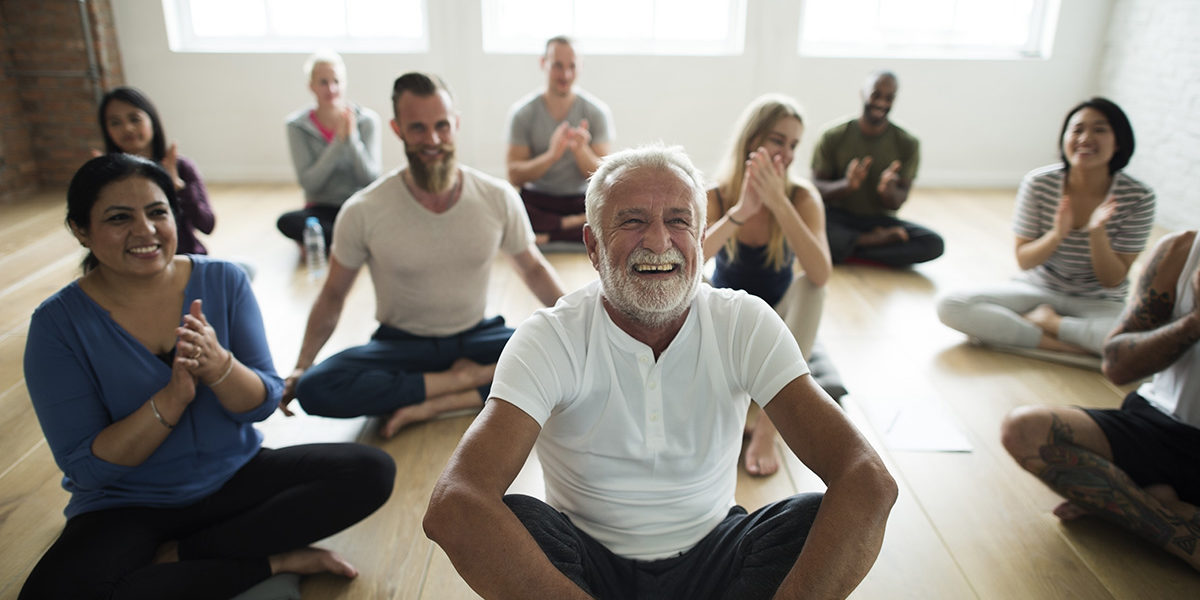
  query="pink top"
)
[{"x": 325, "y": 133}]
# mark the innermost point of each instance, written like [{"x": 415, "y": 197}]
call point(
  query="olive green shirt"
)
[{"x": 842, "y": 143}]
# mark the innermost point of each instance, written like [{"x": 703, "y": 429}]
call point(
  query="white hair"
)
[{"x": 618, "y": 166}]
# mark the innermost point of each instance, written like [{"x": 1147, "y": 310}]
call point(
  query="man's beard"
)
[
  {"x": 651, "y": 303},
  {"x": 437, "y": 177}
]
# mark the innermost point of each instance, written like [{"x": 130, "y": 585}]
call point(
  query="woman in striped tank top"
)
[{"x": 1079, "y": 226}]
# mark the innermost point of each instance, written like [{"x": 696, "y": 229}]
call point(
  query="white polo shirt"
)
[{"x": 642, "y": 454}]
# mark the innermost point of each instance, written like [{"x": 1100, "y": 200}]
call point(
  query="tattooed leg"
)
[{"x": 1094, "y": 484}]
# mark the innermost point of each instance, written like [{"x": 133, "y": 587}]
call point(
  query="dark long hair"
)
[
  {"x": 133, "y": 96},
  {"x": 98, "y": 173},
  {"x": 1122, "y": 131}
]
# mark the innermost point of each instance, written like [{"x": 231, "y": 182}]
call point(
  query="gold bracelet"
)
[
  {"x": 158, "y": 415},
  {"x": 735, "y": 221},
  {"x": 224, "y": 375}
]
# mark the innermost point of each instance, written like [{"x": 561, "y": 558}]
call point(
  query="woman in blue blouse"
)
[
  {"x": 761, "y": 221},
  {"x": 150, "y": 416}
]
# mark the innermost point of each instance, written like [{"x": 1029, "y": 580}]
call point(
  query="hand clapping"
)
[
  {"x": 1101, "y": 214},
  {"x": 856, "y": 172},
  {"x": 889, "y": 178},
  {"x": 198, "y": 349}
]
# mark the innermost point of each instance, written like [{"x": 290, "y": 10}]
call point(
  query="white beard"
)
[{"x": 650, "y": 303}]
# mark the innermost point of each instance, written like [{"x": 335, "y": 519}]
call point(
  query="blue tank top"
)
[{"x": 751, "y": 273}]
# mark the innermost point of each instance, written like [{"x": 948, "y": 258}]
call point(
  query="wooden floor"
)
[{"x": 967, "y": 524}]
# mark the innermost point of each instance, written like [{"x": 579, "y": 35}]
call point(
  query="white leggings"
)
[
  {"x": 993, "y": 314},
  {"x": 800, "y": 308}
]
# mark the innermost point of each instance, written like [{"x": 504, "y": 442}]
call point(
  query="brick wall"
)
[
  {"x": 48, "y": 101},
  {"x": 1151, "y": 67}
]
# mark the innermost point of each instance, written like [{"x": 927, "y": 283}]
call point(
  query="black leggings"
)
[
  {"x": 843, "y": 228},
  {"x": 279, "y": 501}
]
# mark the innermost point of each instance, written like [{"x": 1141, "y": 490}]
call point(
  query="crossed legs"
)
[
  {"x": 1066, "y": 449},
  {"x": 405, "y": 377}
]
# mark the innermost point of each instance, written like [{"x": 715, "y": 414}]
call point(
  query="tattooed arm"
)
[
  {"x": 1098, "y": 486},
  {"x": 1146, "y": 340}
]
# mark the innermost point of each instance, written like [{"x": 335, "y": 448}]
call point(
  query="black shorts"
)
[{"x": 1152, "y": 447}]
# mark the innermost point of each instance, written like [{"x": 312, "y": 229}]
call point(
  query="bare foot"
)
[
  {"x": 573, "y": 221},
  {"x": 404, "y": 416},
  {"x": 883, "y": 235},
  {"x": 762, "y": 455},
  {"x": 307, "y": 561},
  {"x": 414, "y": 413},
  {"x": 471, "y": 374},
  {"x": 1170, "y": 499},
  {"x": 1044, "y": 317},
  {"x": 1068, "y": 511}
]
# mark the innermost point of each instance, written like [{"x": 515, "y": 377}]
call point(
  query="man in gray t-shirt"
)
[{"x": 555, "y": 141}]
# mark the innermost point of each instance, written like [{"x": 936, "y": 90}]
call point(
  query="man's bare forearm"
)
[
  {"x": 323, "y": 319},
  {"x": 846, "y": 536}
]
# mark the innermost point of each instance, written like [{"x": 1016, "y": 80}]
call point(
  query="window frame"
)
[
  {"x": 496, "y": 42},
  {"x": 1038, "y": 45},
  {"x": 181, "y": 37}
]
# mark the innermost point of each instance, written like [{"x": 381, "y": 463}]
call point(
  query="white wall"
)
[
  {"x": 981, "y": 123},
  {"x": 1151, "y": 68}
]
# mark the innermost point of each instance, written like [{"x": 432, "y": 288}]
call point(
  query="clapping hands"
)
[{"x": 570, "y": 138}]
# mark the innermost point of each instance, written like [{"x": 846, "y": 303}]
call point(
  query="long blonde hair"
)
[{"x": 752, "y": 127}]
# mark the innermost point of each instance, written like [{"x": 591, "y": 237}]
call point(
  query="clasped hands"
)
[
  {"x": 199, "y": 356},
  {"x": 763, "y": 185}
]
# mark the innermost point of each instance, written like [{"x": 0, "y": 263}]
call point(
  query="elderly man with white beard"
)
[
  {"x": 429, "y": 234},
  {"x": 634, "y": 390}
]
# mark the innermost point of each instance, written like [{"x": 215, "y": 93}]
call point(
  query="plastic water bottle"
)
[{"x": 314, "y": 249}]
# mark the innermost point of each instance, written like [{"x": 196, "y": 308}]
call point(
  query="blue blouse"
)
[
  {"x": 84, "y": 372},
  {"x": 751, "y": 273}
]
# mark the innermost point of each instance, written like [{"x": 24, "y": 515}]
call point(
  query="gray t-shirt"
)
[
  {"x": 531, "y": 125},
  {"x": 430, "y": 271}
]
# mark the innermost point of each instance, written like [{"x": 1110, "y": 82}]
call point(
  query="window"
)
[
  {"x": 690, "y": 27},
  {"x": 928, "y": 28},
  {"x": 296, "y": 25}
]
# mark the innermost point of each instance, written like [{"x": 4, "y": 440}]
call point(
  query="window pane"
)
[
  {"x": 847, "y": 21},
  {"x": 533, "y": 19},
  {"x": 386, "y": 18},
  {"x": 927, "y": 28},
  {"x": 690, "y": 27},
  {"x": 308, "y": 18},
  {"x": 911, "y": 18},
  {"x": 614, "y": 19},
  {"x": 986, "y": 22},
  {"x": 228, "y": 18},
  {"x": 694, "y": 20}
]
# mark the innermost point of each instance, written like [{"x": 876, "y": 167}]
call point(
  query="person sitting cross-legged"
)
[
  {"x": 429, "y": 233},
  {"x": 1137, "y": 466},
  {"x": 635, "y": 390}
]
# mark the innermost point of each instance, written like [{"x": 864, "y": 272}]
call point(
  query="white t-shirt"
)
[
  {"x": 642, "y": 455},
  {"x": 1176, "y": 389},
  {"x": 430, "y": 271}
]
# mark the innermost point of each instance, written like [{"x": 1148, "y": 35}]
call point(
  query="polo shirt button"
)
[{"x": 653, "y": 385}]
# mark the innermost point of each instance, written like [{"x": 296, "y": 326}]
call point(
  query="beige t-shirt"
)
[{"x": 430, "y": 271}]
